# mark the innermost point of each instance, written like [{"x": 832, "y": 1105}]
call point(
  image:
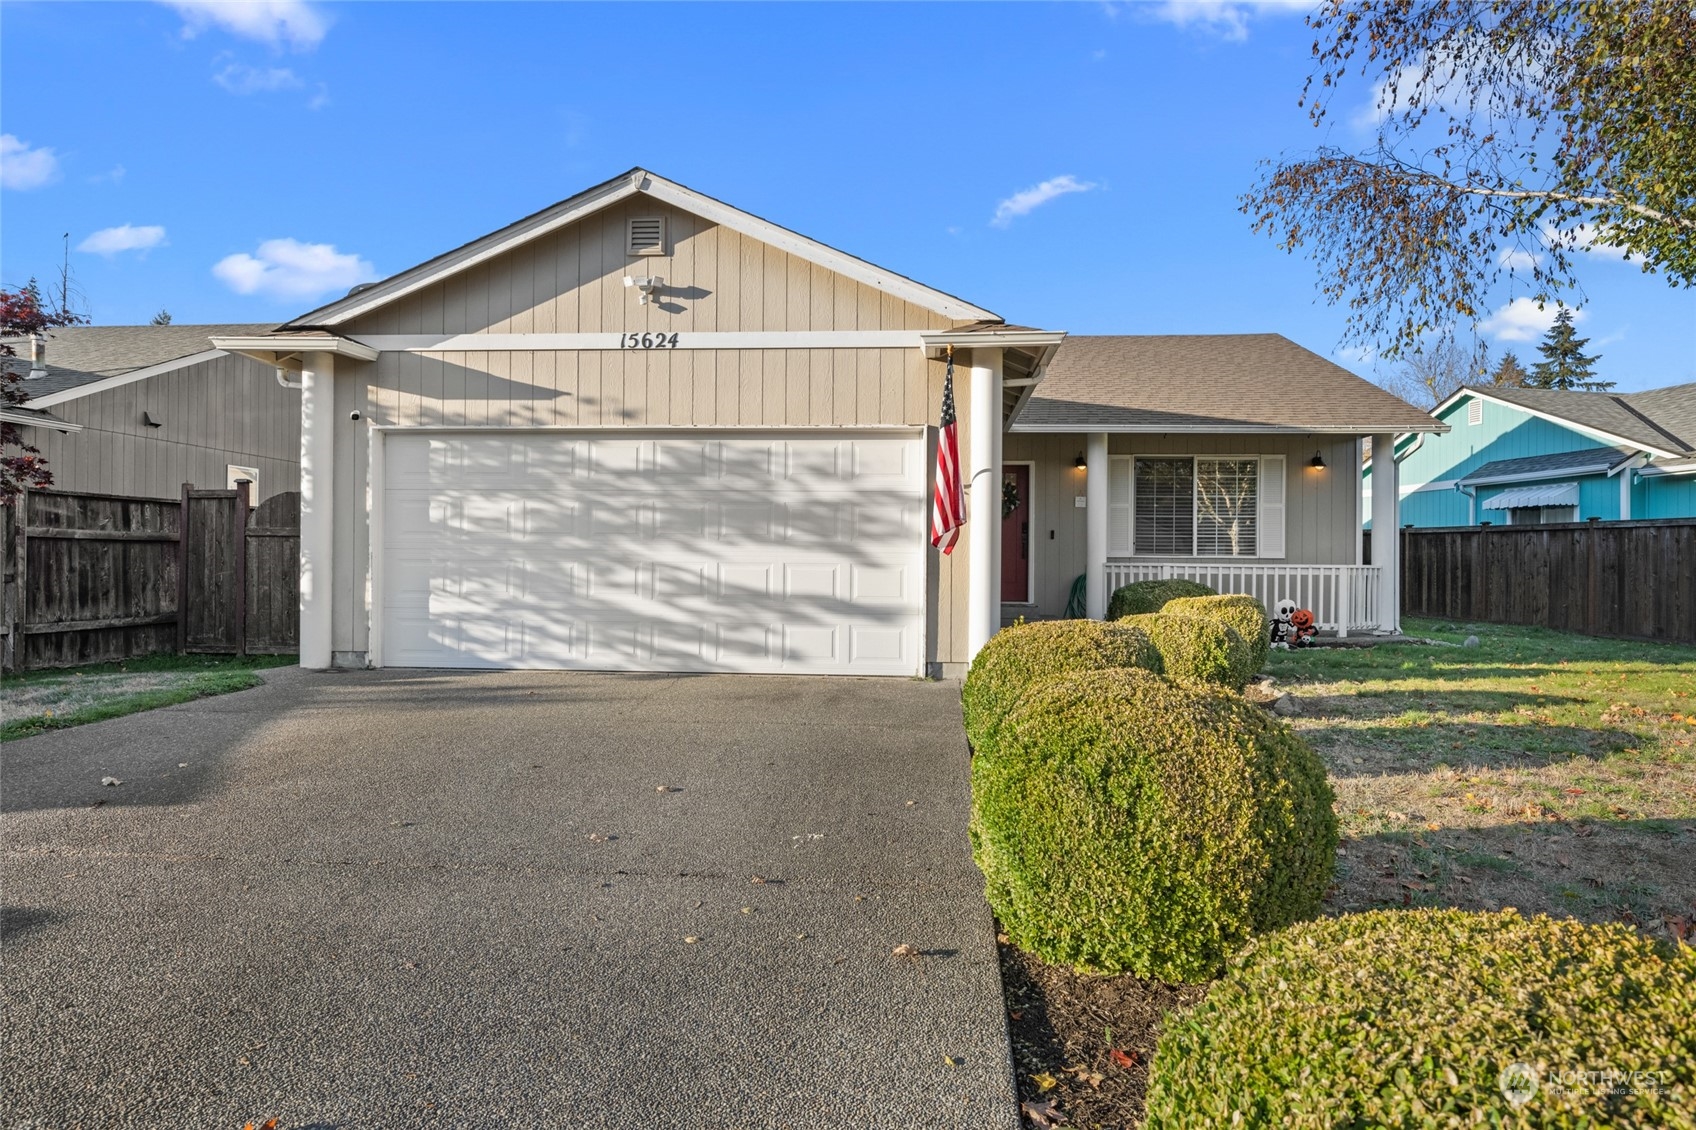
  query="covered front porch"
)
[{"x": 1277, "y": 516}]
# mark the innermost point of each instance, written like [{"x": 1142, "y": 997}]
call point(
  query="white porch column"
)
[
  {"x": 1095, "y": 527},
  {"x": 317, "y": 514},
  {"x": 983, "y": 503},
  {"x": 1387, "y": 531}
]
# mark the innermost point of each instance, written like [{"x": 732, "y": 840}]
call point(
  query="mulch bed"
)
[{"x": 1082, "y": 1044}]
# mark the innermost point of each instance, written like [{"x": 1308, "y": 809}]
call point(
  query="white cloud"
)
[
  {"x": 23, "y": 166},
  {"x": 288, "y": 268},
  {"x": 1524, "y": 319},
  {"x": 1228, "y": 19},
  {"x": 239, "y": 78},
  {"x": 276, "y": 22},
  {"x": 1517, "y": 259},
  {"x": 321, "y": 99},
  {"x": 114, "y": 175},
  {"x": 1023, "y": 203},
  {"x": 125, "y": 237}
]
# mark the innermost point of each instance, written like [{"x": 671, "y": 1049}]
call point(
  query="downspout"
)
[
  {"x": 1472, "y": 502},
  {"x": 285, "y": 382}
]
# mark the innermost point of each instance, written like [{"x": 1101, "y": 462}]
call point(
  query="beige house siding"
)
[
  {"x": 227, "y": 410},
  {"x": 571, "y": 281},
  {"x": 1322, "y": 522}
]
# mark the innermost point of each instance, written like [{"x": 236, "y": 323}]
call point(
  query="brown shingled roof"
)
[{"x": 1208, "y": 382}]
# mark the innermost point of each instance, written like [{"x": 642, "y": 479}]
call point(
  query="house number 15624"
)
[{"x": 647, "y": 341}]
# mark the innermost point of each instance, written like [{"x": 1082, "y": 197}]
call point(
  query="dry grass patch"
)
[{"x": 1540, "y": 770}]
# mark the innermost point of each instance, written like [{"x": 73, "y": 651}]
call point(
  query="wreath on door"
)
[{"x": 1009, "y": 496}]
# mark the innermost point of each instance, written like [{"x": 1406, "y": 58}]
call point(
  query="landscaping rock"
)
[
  {"x": 1287, "y": 705},
  {"x": 1471, "y": 641}
]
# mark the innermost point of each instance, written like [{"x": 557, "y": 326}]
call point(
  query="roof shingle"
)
[{"x": 1214, "y": 382}]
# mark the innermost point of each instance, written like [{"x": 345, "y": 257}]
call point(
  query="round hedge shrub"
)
[
  {"x": 1151, "y": 596},
  {"x": 1017, "y": 656},
  {"x": 1124, "y": 823},
  {"x": 1242, "y": 612},
  {"x": 1405, "y": 1018},
  {"x": 1198, "y": 649}
]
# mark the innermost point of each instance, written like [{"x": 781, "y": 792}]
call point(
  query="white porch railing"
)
[{"x": 1342, "y": 598}]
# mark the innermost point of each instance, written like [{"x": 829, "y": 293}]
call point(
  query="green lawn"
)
[
  {"x": 1542, "y": 770},
  {"x": 37, "y": 701}
]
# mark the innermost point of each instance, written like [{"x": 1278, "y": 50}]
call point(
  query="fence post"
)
[
  {"x": 20, "y": 578},
  {"x": 1345, "y": 599},
  {"x": 240, "y": 527},
  {"x": 182, "y": 572}
]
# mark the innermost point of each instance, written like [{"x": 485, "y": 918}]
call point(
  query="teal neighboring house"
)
[{"x": 1518, "y": 456}]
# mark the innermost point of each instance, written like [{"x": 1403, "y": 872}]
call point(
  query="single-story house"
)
[
  {"x": 1518, "y": 456},
  {"x": 645, "y": 430},
  {"x": 141, "y": 410}
]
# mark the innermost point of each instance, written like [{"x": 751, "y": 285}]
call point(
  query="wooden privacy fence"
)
[
  {"x": 1635, "y": 580},
  {"x": 93, "y": 578}
]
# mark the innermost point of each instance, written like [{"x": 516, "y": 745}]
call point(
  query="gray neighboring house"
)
[{"x": 141, "y": 410}]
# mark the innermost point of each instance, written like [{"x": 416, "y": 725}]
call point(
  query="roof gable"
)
[
  {"x": 1661, "y": 421},
  {"x": 605, "y": 195}
]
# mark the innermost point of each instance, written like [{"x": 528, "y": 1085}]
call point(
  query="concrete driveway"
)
[{"x": 421, "y": 899}]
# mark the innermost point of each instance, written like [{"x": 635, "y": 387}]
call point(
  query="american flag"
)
[{"x": 948, "y": 505}]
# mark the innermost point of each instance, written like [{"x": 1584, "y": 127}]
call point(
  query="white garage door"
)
[{"x": 654, "y": 552}]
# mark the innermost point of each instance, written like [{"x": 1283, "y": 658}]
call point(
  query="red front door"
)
[{"x": 1015, "y": 534}]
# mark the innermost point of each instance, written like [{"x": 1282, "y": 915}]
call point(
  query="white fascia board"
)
[
  {"x": 1564, "y": 422},
  {"x": 669, "y": 192},
  {"x": 477, "y": 251},
  {"x": 102, "y": 385},
  {"x": 813, "y": 251},
  {"x": 1676, "y": 467},
  {"x": 1202, "y": 429},
  {"x": 28, "y": 419},
  {"x": 1538, "y": 476},
  {"x": 686, "y": 339},
  {"x": 1629, "y": 463},
  {"x": 936, "y": 341},
  {"x": 267, "y": 348}
]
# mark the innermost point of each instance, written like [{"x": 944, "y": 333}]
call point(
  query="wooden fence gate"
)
[{"x": 92, "y": 578}]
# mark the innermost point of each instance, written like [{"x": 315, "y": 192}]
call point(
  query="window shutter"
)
[
  {"x": 1119, "y": 506},
  {"x": 1272, "y": 505}
]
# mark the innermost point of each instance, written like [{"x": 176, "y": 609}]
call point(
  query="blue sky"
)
[{"x": 1073, "y": 166}]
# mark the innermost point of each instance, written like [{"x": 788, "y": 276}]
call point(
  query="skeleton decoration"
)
[{"x": 1291, "y": 626}]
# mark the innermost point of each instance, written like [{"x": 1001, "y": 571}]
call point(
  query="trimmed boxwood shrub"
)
[
  {"x": 1151, "y": 596},
  {"x": 1124, "y": 823},
  {"x": 1405, "y": 1018},
  {"x": 1198, "y": 649},
  {"x": 1242, "y": 612},
  {"x": 1017, "y": 656}
]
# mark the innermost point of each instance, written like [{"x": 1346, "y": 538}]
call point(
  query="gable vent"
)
[
  {"x": 647, "y": 235},
  {"x": 1475, "y": 411}
]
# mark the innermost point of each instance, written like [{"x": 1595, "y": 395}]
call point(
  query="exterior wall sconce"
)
[
  {"x": 1081, "y": 463},
  {"x": 1317, "y": 462}
]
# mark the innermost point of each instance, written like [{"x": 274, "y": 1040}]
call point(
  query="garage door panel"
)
[{"x": 656, "y": 552}]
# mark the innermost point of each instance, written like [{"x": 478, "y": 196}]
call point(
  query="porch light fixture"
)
[
  {"x": 1080, "y": 462},
  {"x": 1317, "y": 462}
]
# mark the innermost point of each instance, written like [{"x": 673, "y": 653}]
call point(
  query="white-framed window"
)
[
  {"x": 234, "y": 474},
  {"x": 1196, "y": 506},
  {"x": 1541, "y": 515}
]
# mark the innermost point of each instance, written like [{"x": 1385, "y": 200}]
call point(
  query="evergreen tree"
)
[
  {"x": 162, "y": 318},
  {"x": 1564, "y": 364},
  {"x": 1509, "y": 373}
]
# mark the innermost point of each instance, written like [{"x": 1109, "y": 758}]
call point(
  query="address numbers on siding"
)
[{"x": 647, "y": 341}]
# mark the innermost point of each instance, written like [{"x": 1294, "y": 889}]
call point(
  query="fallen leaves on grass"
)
[{"x": 1123, "y": 1058}]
